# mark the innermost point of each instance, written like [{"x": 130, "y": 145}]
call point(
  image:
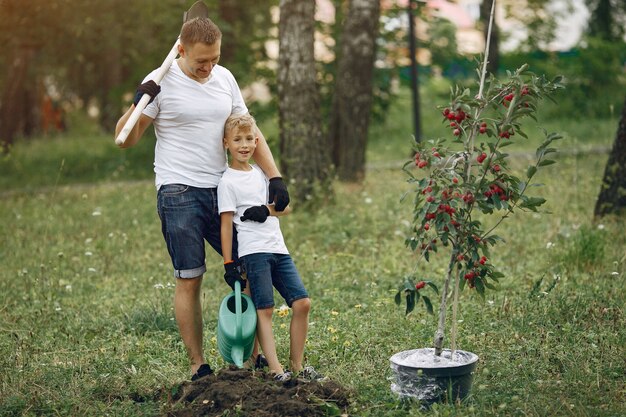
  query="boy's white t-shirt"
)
[
  {"x": 189, "y": 122},
  {"x": 240, "y": 190}
]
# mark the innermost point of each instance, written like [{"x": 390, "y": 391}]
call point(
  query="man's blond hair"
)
[
  {"x": 239, "y": 121},
  {"x": 200, "y": 29}
]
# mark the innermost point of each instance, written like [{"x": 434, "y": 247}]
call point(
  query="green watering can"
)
[{"x": 236, "y": 327}]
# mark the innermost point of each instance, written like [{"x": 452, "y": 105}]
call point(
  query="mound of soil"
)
[{"x": 244, "y": 392}]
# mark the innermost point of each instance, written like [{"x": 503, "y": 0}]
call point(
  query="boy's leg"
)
[
  {"x": 298, "y": 330},
  {"x": 287, "y": 281},
  {"x": 188, "y": 312},
  {"x": 266, "y": 339}
]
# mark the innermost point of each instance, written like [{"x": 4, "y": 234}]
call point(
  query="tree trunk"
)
[
  {"x": 350, "y": 118},
  {"x": 303, "y": 156},
  {"x": 612, "y": 197},
  {"x": 13, "y": 98},
  {"x": 494, "y": 43}
]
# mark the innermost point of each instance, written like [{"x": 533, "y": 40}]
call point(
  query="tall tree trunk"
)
[
  {"x": 612, "y": 197},
  {"x": 494, "y": 43},
  {"x": 303, "y": 156},
  {"x": 350, "y": 118},
  {"x": 13, "y": 98}
]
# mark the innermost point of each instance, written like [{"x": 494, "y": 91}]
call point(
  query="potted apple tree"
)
[{"x": 453, "y": 180}]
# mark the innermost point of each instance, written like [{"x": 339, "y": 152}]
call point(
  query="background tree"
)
[
  {"x": 606, "y": 26},
  {"x": 612, "y": 197},
  {"x": 303, "y": 155},
  {"x": 245, "y": 30},
  {"x": 607, "y": 20},
  {"x": 25, "y": 29},
  {"x": 350, "y": 116},
  {"x": 537, "y": 17}
]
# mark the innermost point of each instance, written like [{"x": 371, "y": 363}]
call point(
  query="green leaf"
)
[
  {"x": 428, "y": 304},
  {"x": 410, "y": 301},
  {"x": 480, "y": 286},
  {"x": 490, "y": 286},
  {"x": 549, "y": 150},
  {"x": 532, "y": 203},
  {"x": 531, "y": 171},
  {"x": 433, "y": 286},
  {"x": 546, "y": 162},
  {"x": 398, "y": 298}
]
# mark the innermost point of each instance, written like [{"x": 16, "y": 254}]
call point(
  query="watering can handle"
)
[{"x": 238, "y": 312}]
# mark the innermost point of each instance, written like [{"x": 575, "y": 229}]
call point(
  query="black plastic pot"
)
[{"x": 430, "y": 380}]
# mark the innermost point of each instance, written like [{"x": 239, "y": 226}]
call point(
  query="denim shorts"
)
[
  {"x": 189, "y": 217},
  {"x": 266, "y": 271}
]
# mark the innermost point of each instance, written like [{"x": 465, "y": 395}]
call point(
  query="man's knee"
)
[{"x": 189, "y": 285}]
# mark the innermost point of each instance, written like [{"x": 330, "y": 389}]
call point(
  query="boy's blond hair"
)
[
  {"x": 200, "y": 29},
  {"x": 238, "y": 121}
]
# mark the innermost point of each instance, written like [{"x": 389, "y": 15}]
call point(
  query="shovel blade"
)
[{"x": 198, "y": 9}]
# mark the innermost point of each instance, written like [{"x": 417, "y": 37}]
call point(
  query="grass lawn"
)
[{"x": 86, "y": 319}]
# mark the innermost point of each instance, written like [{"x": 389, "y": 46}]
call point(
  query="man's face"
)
[{"x": 199, "y": 59}]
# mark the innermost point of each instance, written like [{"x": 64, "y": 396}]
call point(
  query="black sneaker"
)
[
  {"x": 308, "y": 373},
  {"x": 203, "y": 370},
  {"x": 261, "y": 362},
  {"x": 284, "y": 377}
]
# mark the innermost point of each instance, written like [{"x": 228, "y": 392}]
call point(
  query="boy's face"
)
[{"x": 241, "y": 143}]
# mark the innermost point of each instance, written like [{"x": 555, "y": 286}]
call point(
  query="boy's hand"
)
[
  {"x": 278, "y": 194},
  {"x": 149, "y": 87},
  {"x": 256, "y": 213},
  {"x": 233, "y": 275}
]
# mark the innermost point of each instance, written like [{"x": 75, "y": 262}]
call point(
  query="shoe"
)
[
  {"x": 203, "y": 370},
  {"x": 257, "y": 362},
  {"x": 284, "y": 377},
  {"x": 261, "y": 362},
  {"x": 309, "y": 373}
]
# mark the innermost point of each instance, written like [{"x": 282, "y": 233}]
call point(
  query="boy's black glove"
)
[
  {"x": 233, "y": 275},
  {"x": 149, "y": 87},
  {"x": 278, "y": 194},
  {"x": 256, "y": 214}
]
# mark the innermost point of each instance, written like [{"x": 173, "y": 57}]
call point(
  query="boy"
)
[{"x": 241, "y": 195}]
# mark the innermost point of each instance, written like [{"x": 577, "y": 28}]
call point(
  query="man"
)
[{"x": 188, "y": 111}]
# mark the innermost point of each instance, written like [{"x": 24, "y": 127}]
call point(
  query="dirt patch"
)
[{"x": 244, "y": 392}]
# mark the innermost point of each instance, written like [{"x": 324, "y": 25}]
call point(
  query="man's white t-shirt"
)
[
  {"x": 240, "y": 190},
  {"x": 189, "y": 122}
]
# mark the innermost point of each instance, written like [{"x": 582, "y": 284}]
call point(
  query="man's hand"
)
[
  {"x": 278, "y": 194},
  {"x": 149, "y": 87},
  {"x": 256, "y": 214},
  {"x": 233, "y": 275}
]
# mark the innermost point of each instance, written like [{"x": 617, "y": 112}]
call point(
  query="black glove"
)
[
  {"x": 278, "y": 194},
  {"x": 256, "y": 214},
  {"x": 149, "y": 87},
  {"x": 233, "y": 275}
]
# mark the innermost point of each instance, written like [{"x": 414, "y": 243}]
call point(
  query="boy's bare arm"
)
[{"x": 226, "y": 235}]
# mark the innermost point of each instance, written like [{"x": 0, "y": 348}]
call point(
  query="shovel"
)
[
  {"x": 198, "y": 9},
  {"x": 236, "y": 327}
]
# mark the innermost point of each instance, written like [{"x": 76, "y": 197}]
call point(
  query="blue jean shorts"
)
[
  {"x": 189, "y": 217},
  {"x": 266, "y": 271}
]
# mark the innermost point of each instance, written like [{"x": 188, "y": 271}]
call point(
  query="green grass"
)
[{"x": 86, "y": 320}]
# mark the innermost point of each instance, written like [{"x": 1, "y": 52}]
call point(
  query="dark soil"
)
[{"x": 242, "y": 392}]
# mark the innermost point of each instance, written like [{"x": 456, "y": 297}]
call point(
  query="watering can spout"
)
[
  {"x": 236, "y": 354},
  {"x": 236, "y": 327}
]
